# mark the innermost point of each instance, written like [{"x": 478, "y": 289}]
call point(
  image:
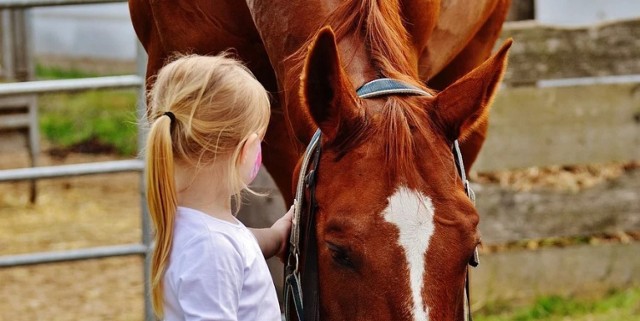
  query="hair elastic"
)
[{"x": 171, "y": 116}]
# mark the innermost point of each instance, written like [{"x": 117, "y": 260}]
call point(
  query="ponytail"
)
[{"x": 162, "y": 201}]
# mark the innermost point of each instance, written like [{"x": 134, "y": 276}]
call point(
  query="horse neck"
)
[{"x": 295, "y": 22}]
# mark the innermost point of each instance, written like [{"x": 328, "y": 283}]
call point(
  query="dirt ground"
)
[
  {"x": 81, "y": 212},
  {"x": 70, "y": 213}
]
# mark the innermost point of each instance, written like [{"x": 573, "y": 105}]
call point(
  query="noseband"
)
[{"x": 303, "y": 227}]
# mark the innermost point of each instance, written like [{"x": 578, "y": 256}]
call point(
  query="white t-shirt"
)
[{"x": 217, "y": 272}]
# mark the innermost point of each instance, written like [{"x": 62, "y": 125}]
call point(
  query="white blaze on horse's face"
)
[{"x": 412, "y": 213}]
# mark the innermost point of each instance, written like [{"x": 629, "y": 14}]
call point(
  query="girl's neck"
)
[{"x": 203, "y": 190}]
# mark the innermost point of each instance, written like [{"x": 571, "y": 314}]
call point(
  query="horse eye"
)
[{"x": 340, "y": 255}]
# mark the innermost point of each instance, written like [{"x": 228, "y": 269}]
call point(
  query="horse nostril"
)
[{"x": 636, "y": 117}]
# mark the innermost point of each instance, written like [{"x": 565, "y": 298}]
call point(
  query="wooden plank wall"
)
[
  {"x": 607, "y": 208},
  {"x": 531, "y": 126},
  {"x": 569, "y": 125},
  {"x": 589, "y": 271},
  {"x": 550, "y": 52},
  {"x": 534, "y": 125}
]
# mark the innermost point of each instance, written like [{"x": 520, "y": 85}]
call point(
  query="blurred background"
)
[{"x": 558, "y": 181}]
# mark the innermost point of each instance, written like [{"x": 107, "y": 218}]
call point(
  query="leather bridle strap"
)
[
  {"x": 463, "y": 175},
  {"x": 310, "y": 287},
  {"x": 293, "y": 295},
  {"x": 294, "y": 239},
  {"x": 293, "y": 283},
  {"x": 386, "y": 87},
  {"x": 475, "y": 259}
]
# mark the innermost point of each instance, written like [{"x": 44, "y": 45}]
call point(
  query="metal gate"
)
[{"x": 35, "y": 88}]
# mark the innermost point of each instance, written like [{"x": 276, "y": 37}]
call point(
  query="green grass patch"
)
[
  {"x": 617, "y": 306},
  {"x": 44, "y": 73},
  {"x": 103, "y": 117}
]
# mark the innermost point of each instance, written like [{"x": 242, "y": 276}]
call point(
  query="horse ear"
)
[
  {"x": 325, "y": 88},
  {"x": 465, "y": 103}
]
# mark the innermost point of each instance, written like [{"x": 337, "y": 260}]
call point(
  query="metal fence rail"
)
[
  {"x": 41, "y": 172},
  {"x": 72, "y": 255},
  {"x": 70, "y": 85},
  {"x": 23, "y": 4}
]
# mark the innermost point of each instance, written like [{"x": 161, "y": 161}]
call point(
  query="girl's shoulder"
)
[
  {"x": 192, "y": 226},
  {"x": 193, "y": 216},
  {"x": 195, "y": 230}
]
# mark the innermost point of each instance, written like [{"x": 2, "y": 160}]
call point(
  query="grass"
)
[
  {"x": 106, "y": 117},
  {"x": 43, "y": 73},
  {"x": 617, "y": 306}
]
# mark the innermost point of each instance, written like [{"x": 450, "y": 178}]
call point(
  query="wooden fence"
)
[{"x": 571, "y": 96}]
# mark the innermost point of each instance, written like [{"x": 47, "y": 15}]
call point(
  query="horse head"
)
[{"x": 395, "y": 229}]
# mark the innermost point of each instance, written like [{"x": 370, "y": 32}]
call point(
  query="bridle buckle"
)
[{"x": 470, "y": 193}]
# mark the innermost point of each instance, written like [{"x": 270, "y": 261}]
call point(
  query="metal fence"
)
[{"x": 50, "y": 172}]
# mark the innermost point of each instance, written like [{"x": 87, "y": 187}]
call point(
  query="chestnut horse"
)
[{"x": 395, "y": 229}]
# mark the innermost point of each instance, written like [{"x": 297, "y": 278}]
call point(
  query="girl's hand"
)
[{"x": 282, "y": 228}]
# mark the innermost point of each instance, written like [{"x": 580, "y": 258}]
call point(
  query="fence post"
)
[
  {"x": 23, "y": 58},
  {"x": 25, "y": 71},
  {"x": 521, "y": 10},
  {"x": 17, "y": 65},
  {"x": 141, "y": 66},
  {"x": 6, "y": 61}
]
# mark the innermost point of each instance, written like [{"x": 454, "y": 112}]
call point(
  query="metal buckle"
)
[
  {"x": 295, "y": 270},
  {"x": 469, "y": 191}
]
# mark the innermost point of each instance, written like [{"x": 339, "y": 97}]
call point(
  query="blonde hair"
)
[{"x": 217, "y": 104}]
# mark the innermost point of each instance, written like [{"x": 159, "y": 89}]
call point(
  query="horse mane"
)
[{"x": 379, "y": 24}]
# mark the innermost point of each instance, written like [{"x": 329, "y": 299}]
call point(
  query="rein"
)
[{"x": 307, "y": 306}]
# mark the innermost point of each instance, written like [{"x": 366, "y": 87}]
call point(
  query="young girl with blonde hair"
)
[{"x": 209, "y": 115}]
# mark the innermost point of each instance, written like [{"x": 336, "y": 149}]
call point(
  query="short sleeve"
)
[{"x": 210, "y": 282}]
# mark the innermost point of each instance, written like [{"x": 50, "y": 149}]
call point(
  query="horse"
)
[{"x": 394, "y": 225}]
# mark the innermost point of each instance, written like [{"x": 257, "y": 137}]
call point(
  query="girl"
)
[{"x": 209, "y": 115}]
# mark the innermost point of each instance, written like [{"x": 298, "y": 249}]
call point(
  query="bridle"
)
[{"x": 306, "y": 307}]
